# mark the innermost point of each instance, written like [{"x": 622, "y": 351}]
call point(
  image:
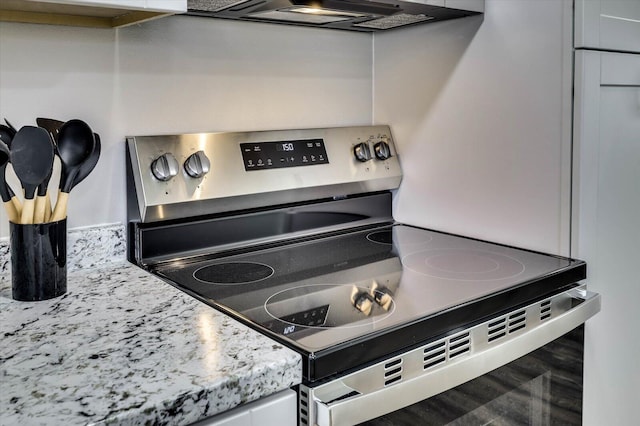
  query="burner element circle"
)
[
  {"x": 381, "y": 237},
  {"x": 472, "y": 263},
  {"x": 324, "y": 306},
  {"x": 464, "y": 264},
  {"x": 230, "y": 273}
]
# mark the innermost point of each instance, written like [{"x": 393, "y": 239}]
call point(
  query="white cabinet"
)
[
  {"x": 608, "y": 24},
  {"x": 149, "y": 5},
  {"x": 177, "y": 6},
  {"x": 473, "y": 5},
  {"x": 606, "y": 227},
  {"x": 88, "y": 13},
  {"x": 279, "y": 409},
  {"x": 128, "y": 4}
]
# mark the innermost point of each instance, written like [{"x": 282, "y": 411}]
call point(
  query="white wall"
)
[
  {"x": 477, "y": 110},
  {"x": 176, "y": 75}
]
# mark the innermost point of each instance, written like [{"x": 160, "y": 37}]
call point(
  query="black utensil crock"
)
[{"x": 39, "y": 260}]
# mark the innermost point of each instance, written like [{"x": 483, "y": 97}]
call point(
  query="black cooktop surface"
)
[{"x": 343, "y": 300}]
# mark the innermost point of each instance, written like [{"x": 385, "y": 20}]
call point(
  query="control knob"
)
[
  {"x": 165, "y": 167},
  {"x": 361, "y": 151},
  {"x": 382, "y": 296},
  {"x": 197, "y": 165},
  {"x": 382, "y": 150},
  {"x": 363, "y": 302}
]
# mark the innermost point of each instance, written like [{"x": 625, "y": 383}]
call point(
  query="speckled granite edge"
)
[
  {"x": 123, "y": 347},
  {"x": 86, "y": 247}
]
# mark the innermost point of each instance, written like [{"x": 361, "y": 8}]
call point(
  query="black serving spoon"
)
[
  {"x": 88, "y": 166},
  {"x": 53, "y": 127},
  {"x": 5, "y": 191},
  {"x": 76, "y": 142},
  {"x": 32, "y": 159}
]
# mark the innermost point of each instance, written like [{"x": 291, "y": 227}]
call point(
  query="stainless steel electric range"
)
[{"x": 292, "y": 233}]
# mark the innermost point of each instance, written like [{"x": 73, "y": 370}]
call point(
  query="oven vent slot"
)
[
  {"x": 517, "y": 321},
  {"x": 497, "y": 329},
  {"x": 545, "y": 310},
  {"x": 459, "y": 345},
  {"x": 393, "y": 372},
  {"x": 435, "y": 354},
  {"x": 303, "y": 407},
  {"x": 441, "y": 351},
  {"x": 507, "y": 324}
]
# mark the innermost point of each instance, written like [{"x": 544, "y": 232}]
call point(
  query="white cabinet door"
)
[
  {"x": 279, "y": 409},
  {"x": 124, "y": 4},
  {"x": 608, "y": 24},
  {"x": 235, "y": 418},
  {"x": 472, "y": 5},
  {"x": 606, "y": 228},
  {"x": 176, "y": 6},
  {"x": 89, "y": 13}
]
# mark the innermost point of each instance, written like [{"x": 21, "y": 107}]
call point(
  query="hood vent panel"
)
[
  {"x": 394, "y": 21},
  {"x": 353, "y": 15},
  {"x": 214, "y": 5}
]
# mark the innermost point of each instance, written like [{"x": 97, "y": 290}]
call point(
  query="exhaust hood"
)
[{"x": 353, "y": 15}]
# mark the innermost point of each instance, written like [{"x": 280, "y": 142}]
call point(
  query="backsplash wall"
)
[
  {"x": 483, "y": 122},
  {"x": 177, "y": 75}
]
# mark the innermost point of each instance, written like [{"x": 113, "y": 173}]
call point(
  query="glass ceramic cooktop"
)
[{"x": 323, "y": 292}]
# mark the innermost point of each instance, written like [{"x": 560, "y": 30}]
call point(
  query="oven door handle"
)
[{"x": 353, "y": 399}]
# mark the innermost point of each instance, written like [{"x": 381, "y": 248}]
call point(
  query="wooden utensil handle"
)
[
  {"x": 27, "y": 211},
  {"x": 60, "y": 211},
  {"x": 12, "y": 213},
  {"x": 38, "y": 215},
  {"x": 17, "y": 204},
  {"x": 47, "y": 208}
]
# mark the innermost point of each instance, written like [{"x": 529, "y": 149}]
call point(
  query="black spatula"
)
[{"x": 32, "y": 160}]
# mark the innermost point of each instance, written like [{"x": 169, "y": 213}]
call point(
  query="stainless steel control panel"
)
[{"x": 178, "y": 176}]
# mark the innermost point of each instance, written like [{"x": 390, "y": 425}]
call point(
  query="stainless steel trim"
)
[
  {"x": 229, "y": 187},
  {"x": 363, "y": 395}
]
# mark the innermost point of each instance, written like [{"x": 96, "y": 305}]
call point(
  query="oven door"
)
[
  {"x": 524, "y": 367},
  {"x": 542, "y": 388}
]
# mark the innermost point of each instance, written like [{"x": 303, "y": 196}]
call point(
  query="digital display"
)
[
  {"x": 285, "y": 146},
  {"x": 275, "y": 155}
]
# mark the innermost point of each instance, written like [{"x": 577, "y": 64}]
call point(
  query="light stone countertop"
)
[{"x": 123, "y": 347}]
